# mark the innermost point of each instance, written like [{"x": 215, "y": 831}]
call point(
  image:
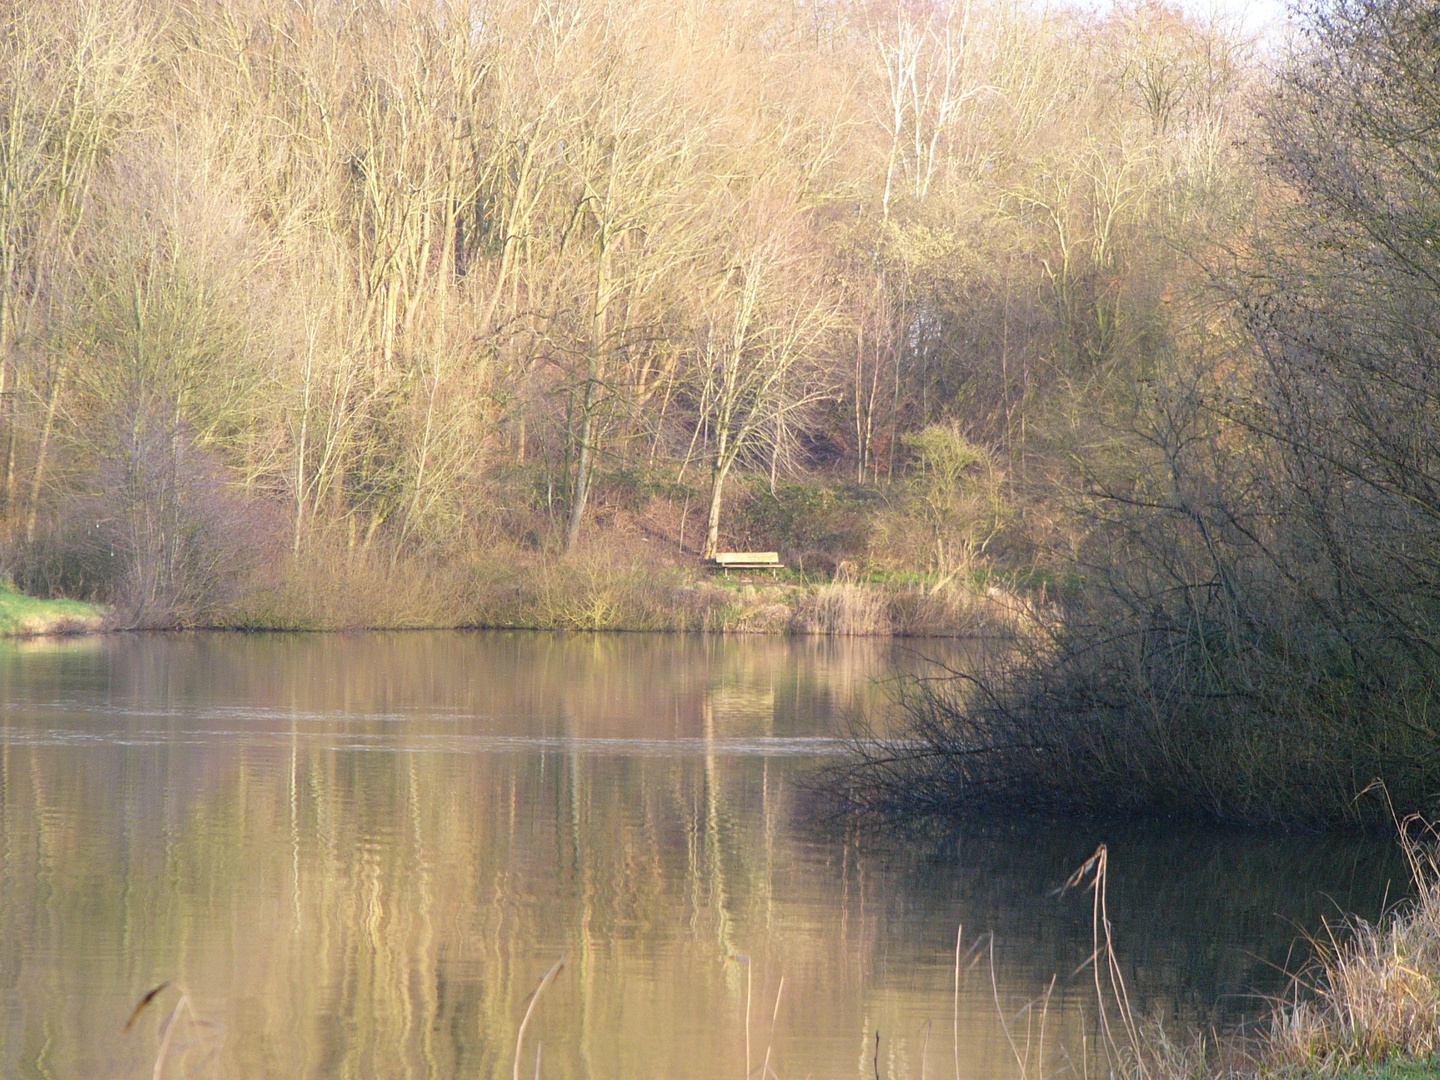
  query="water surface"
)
[{"x": 356, "y": 855}]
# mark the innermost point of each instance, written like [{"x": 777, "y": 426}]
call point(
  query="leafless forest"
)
[{"x": 366, "y": 290}]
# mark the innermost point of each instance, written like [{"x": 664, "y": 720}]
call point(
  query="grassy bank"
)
[
  {"x": 624, "y": 585},
  {"x": 29, "y": 616},
  {"x": 1367, "y": 1008},
  {"x": 857, "y": 561},
  {"x": 1374, "y": 1003},
  {"x": 1396, "y": 1070}
]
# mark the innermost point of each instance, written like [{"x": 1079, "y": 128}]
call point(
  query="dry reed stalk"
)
[
  {"x": 774, "y": 1018},
  {"x": 1044, "y": 1017},
  {"x": 846, "y": 609},
  {"x": 530, "y": 1009},
  {"x": 1023, "y": 1060},
  {"x": 1377, "y": 993},
  {"x": 748, "y": 975},
  {"x": 1096, "y": 867},
  {"x": 959, "y": 938},
  {"x": 1000, "y": 1011}
]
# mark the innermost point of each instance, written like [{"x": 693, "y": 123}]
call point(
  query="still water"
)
[{"x": 356, "y": 856}]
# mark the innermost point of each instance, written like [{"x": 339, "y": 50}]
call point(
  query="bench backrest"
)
[{"x": 754, "y": 558}]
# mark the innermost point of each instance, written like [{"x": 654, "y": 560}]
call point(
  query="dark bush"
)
[
  {"x": 1259, "y": 638},
  {"x": 813, "y": 518}
]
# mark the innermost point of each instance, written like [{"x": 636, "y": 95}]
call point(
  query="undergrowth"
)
[
  {"x": 1371, "y": 1004},
  {"x": 625, "y": 584}
]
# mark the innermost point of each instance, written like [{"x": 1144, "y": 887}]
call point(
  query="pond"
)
[{"x": 357, "y": 855}]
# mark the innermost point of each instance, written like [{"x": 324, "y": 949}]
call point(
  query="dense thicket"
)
[
  {"x": 1258, "y": 635},
  {"x": 290, "y": 288}
]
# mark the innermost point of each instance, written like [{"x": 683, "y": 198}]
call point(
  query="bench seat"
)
[{"x": 746, "y": 560}]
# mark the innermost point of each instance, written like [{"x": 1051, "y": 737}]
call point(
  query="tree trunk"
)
[
  {"x": 304, "y": 433},
  {"x": 12, "y": 418},
  {"x": 39, "y": 476},
  {"x": 580, "y": 488},
  {"x": 717, "y": 490},
  {"x": 580, "y": 491},
  {"x": 859, "y": 379}
]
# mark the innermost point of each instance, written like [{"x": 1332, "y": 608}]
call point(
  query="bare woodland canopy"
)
[{"x": 396, "y": 266}]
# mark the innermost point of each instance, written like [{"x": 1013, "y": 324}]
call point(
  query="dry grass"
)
[
  {"x": 616, "y": 585},
  {"x": 1375, "y": 994},
  {"x": 1367, "y": 1009},
  {"x": 965, "y": 609},
  {"x": 613, "y": 582},
  {"x": 331, "y": 587},
  {"x": 843, "y": 609}
]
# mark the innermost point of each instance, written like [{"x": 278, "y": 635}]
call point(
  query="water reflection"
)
[{"x": 359, "y": 853}]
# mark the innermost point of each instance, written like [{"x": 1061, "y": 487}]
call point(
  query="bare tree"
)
[{"x": 759, "y": 358}]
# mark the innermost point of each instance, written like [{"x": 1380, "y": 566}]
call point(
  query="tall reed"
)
[{"x": 1374, "y": 994}]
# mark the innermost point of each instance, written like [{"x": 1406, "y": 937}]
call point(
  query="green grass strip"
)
[{"x": 29, "y": 616}]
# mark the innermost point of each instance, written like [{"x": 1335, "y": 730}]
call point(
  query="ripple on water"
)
[{"x": 358, "y": 854}]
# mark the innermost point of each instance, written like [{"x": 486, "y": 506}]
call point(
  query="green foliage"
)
[
  {"x": 942, "y": 458},
  {"x": 1391, "y": 1070},
  {"x": 949, "y": 508},
  {"x": 632, "y": 487}
]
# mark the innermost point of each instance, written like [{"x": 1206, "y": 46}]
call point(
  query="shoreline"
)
[
  {"x": 601, "y": 595},
  {"x": 23, "y": 616}
]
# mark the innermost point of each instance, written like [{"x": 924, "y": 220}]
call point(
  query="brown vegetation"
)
[
  {"x": 439, "y": 314},
  {"x": 1367, "y": 1007},
  {"x": 1253, "y": 635},
  {"x": 1374, "y": 995},
  {"x": 363, "y": 291}
]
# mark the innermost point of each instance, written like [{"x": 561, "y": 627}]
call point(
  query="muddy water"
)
[{"x": 356, "y": 856}]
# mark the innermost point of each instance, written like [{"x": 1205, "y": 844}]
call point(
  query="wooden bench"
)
[{"x": 746, "y": 560}]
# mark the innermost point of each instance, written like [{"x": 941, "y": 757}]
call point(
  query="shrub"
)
[
  {"x": 820, "y": 522},
  {"x": 947, "y": 511},
  {"x": 160, "y": 536}
]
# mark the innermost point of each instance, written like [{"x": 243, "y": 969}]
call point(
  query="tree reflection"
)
[{"x": 358, "y": 856}]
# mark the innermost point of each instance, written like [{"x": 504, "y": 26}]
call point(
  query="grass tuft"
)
[
  {"x": 1374, "y": 1004},
  {"x": 1368, "y": 1008}
]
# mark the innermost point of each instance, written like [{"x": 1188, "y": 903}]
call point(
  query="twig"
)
[
  {"x": 774, "y": 1018},
  {"x": 140, "y": 1007},
  {"x": 959, "y": 937},
  {"x": 529, "y": 1009}
]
